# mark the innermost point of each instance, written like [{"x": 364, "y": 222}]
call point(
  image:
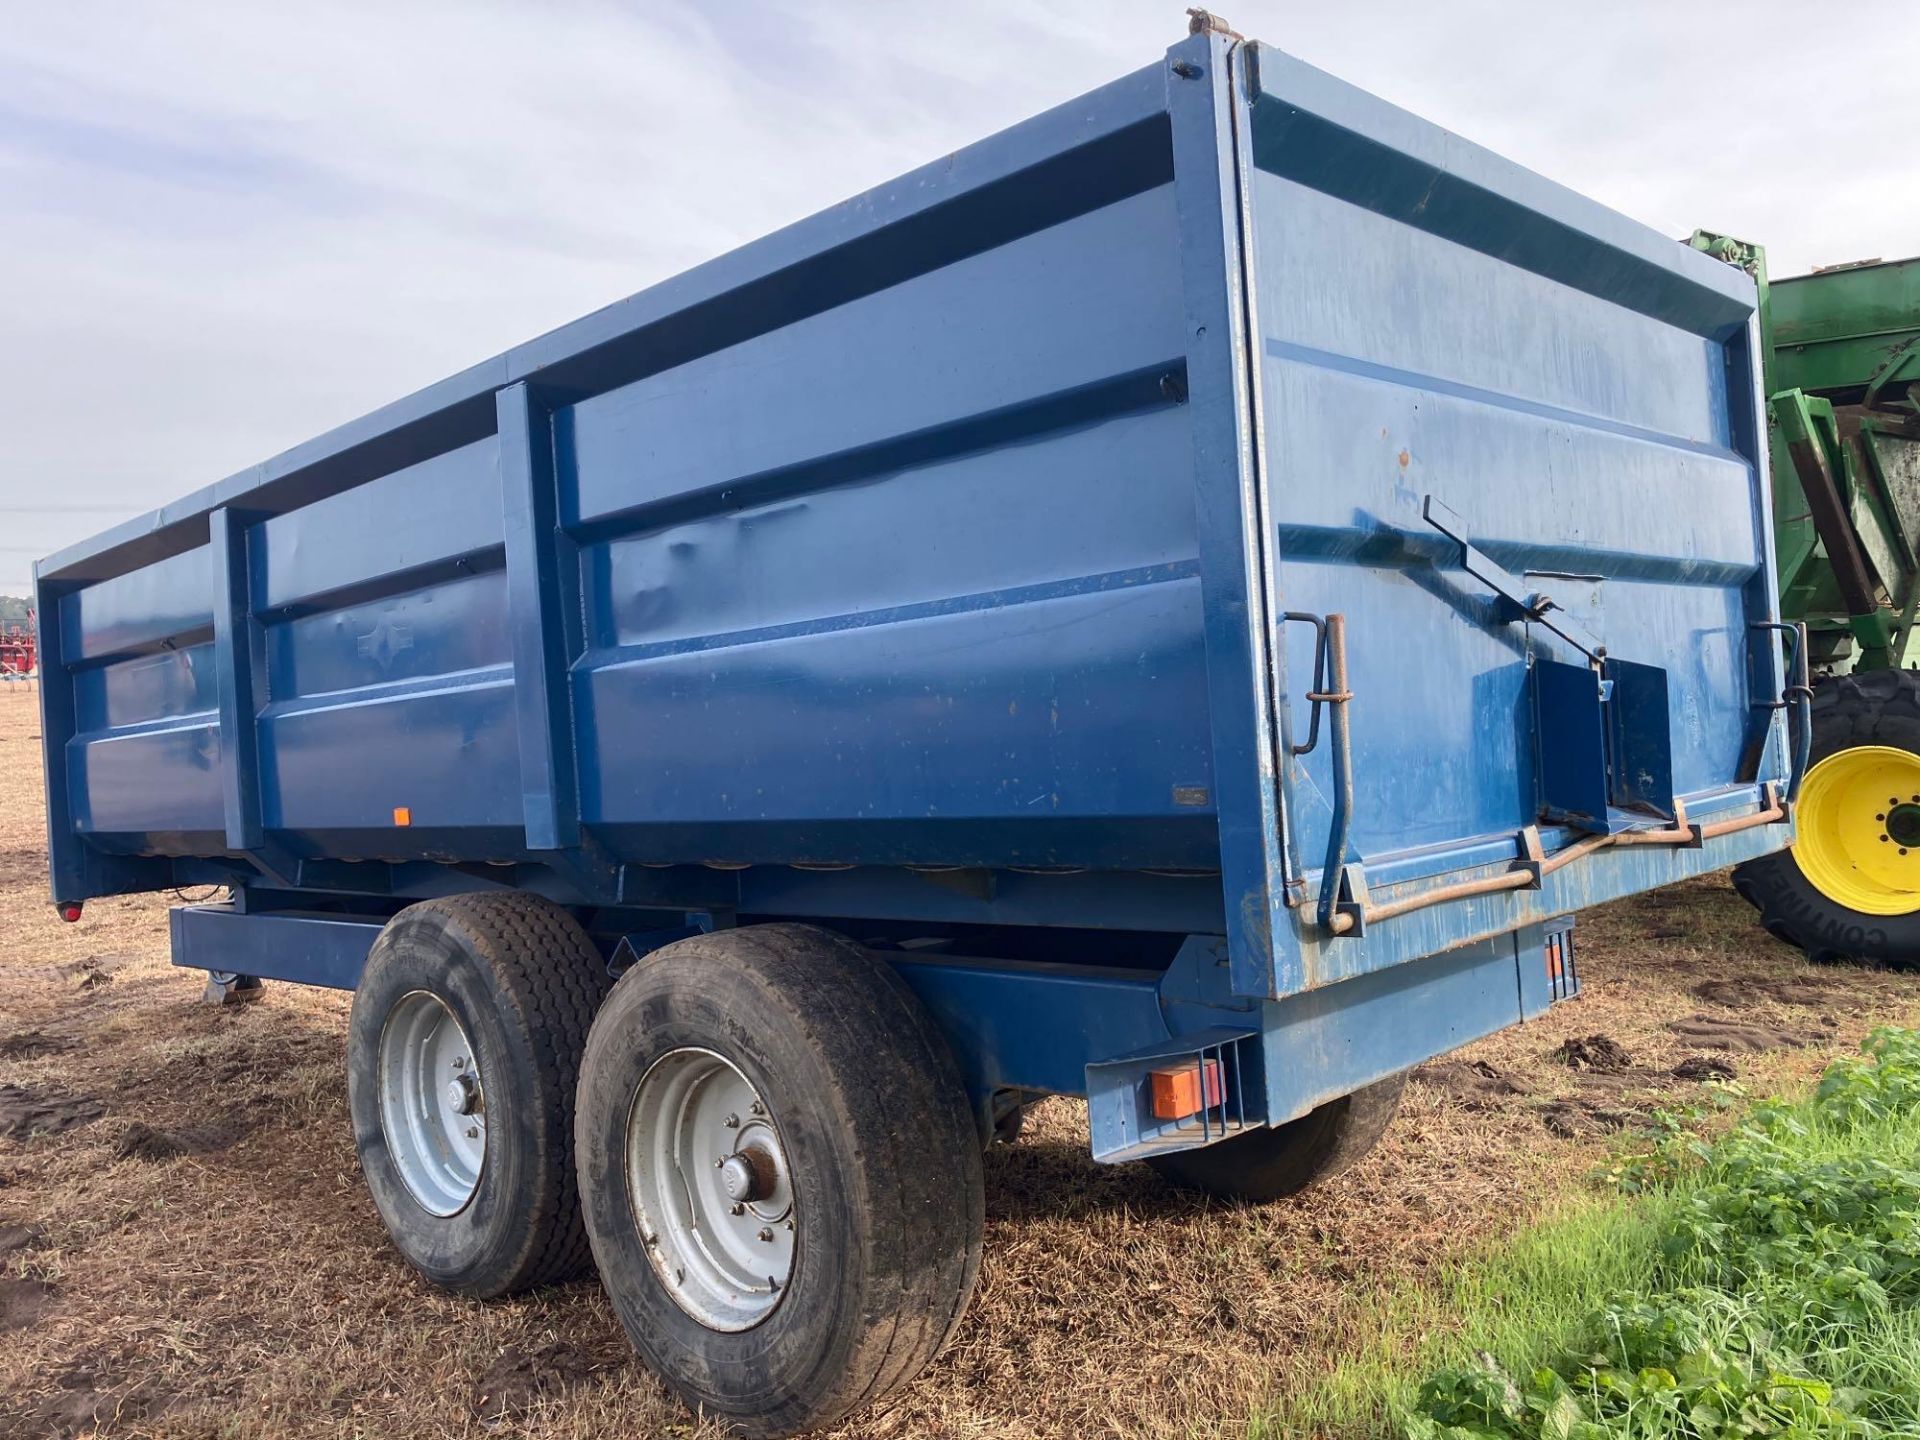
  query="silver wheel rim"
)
[
  {"x": 433, "y": 1105},
  {"x": 710, "y": 1189}
]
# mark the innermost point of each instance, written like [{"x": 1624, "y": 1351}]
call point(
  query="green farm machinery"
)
[{"x": 1842, "y": 348}]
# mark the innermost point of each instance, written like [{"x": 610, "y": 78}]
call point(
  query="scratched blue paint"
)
[{"x": 924, "y": 563}]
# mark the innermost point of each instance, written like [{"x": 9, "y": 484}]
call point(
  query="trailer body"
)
[{"x": 1204, "y": 577}]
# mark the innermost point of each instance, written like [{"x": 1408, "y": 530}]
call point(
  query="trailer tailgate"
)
[{"x": 1474, "y": 389}]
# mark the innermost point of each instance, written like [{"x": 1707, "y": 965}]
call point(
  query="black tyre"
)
[
  {"x": 780, "y": 1173},
  {"x": 462, "y": 1057},
  {"x": 1282, "y": 1160},
  {"x": 1842, "y": 821}
]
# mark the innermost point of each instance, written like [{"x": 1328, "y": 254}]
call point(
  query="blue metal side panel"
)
[
  {"x": 444, "y": 751},
  {"x": 1077, "y": 304},
  {"x": 1428, "y": 320},
  {"x": 1103, "y": 498},
  {"x": 417, "y": 636},
  {"x": 143, "y": 760},
  {"x": 427, "y": 519},
  {"x": 384, "y": 642},
  {"x": 963, "y": 390},
  {"x": 151, "y": 790},
  {"x": 966, "y": 735},
  {"x": 140, "y": 609},
  {"x": 167, "y": 685},
  {"x": 911, "y": 581}
]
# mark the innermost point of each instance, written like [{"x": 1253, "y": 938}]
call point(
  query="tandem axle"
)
[{"x": 1024, "y": 1028}]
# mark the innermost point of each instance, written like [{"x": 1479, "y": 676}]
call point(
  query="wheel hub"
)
[
  {"x": 750, "y": 1176},
  {"x": 432, "y": 1103},
  {"x": 1859, "y": 832},
  {"x": 710, "y": 1191},
  {"x": 463, "y": 1093},
  {"x": 1903, "y": 823}
]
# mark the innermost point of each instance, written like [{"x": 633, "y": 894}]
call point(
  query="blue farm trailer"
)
[{"x": 1165, "y": 605}]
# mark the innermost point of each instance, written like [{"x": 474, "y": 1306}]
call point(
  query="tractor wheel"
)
[{"x": 1849, "y": 889}]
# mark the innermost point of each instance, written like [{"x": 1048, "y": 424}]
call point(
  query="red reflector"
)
[
  {"x": 70, "y": 911},
  {"x": 1176, "y": 1090}
]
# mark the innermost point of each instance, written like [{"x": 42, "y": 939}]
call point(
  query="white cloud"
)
[{"x": 226, "y": 226}]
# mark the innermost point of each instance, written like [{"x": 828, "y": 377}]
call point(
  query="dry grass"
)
[{"x": 245, "y": 1288}]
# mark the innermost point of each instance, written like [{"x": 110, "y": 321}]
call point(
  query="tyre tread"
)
[
  {"x": 909, "y": 1131},
  {"x": 547, "y": 969}
]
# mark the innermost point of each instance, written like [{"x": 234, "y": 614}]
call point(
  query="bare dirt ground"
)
[{"x": 186, "y": 1248}]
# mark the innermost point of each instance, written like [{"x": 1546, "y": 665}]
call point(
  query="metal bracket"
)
[
  {"x": 1799, "y": 417},
  {"x": 1535, "y": 605},
  {"x": 1346, "y": 912},
  {"x": 224, "y": 987},
  {"x": 1532, "y": 855},
  {"x": 1205, "y": 22},
  {"x": 1901, "y": 367}
]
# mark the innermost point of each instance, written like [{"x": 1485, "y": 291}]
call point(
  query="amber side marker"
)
[{"x": 402, "y": 815}]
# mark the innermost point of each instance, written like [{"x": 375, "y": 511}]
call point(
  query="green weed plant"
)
[{"x": 1784, "y": 1300}]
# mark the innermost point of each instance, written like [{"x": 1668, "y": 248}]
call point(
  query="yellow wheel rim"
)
[{"x": 1859, "y": 831}]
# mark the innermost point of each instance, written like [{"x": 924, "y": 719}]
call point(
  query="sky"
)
[{"x": 227, "y": 227}]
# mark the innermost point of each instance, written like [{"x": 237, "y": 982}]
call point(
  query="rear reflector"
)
[{"x": 1176, "y": 1089}]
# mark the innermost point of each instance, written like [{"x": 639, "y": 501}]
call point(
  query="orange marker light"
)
[
  {"x": 1176, "y": 1090},
  {"x": 402, "y": 815}
]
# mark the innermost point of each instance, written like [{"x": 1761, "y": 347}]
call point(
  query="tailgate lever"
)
[{"x": 1533, "y": 604}]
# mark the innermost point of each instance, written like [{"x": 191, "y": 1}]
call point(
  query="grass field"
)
[
  {"x": 1758, "y": 1277},
  {"x": 186, "y": 1248}
]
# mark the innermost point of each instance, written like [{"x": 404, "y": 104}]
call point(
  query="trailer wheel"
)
[
  {"x": 1281, "y": 1160},
  {"x": 780, "y": 1173},
  {"x": 1849, "y": 889},
  {"x": 462, "y": 1055}
]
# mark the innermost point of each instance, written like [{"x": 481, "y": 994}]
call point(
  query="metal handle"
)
[
  {"x": 1796, "y": 698},
  {"x": 1330, "y": 689},
  {"x": 1319, "y": 693}
]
